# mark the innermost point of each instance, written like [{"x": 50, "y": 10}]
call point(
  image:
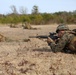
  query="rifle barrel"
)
[{"x": 43, "y": 37}]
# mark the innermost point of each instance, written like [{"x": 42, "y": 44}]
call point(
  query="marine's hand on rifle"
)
[{"x": 49, "y": 40}]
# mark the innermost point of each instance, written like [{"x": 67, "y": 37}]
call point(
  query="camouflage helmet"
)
[{"x": 62, "y": 27}]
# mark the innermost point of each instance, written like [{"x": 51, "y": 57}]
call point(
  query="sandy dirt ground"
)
[{"x": 33, "y": 57}]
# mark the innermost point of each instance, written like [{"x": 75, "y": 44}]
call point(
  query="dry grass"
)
[{"x": 33, "y": 57}]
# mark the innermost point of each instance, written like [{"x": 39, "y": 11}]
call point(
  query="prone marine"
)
[{"x": 66, "y": 41}]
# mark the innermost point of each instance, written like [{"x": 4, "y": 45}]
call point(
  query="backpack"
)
[{"x": 72, "y": 45}]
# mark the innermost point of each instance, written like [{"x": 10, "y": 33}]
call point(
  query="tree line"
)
[{"x": 37, "y": 18}]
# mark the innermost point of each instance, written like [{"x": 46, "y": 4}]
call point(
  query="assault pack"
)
[{"x": 72, "y": 46}]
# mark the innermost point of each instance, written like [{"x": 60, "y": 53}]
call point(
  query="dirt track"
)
[{"x": 33, "y": 57}]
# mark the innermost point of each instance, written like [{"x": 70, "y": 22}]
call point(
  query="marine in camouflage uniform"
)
[{"x": 64, "y": 40}]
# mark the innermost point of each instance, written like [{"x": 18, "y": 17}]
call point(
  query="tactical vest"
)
[{"x": 72, "y": 45}]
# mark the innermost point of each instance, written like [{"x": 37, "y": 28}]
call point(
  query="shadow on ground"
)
[
  {"x": 42, "y": 50},
  {"x": 49, "y": 50}
]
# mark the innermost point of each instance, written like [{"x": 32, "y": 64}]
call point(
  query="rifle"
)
[
  {"x": 51, "y": 35},
  {"x": 74, "y": 30}
]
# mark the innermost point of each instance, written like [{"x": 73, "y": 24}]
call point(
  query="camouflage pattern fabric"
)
[
  {"x": 72, "y": 44},
  {"x": 62, "y": 27},
  {"x": 63, "y": 42}
]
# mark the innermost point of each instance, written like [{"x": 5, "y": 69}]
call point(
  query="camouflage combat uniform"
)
[{"x": 63, "y": 42}]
